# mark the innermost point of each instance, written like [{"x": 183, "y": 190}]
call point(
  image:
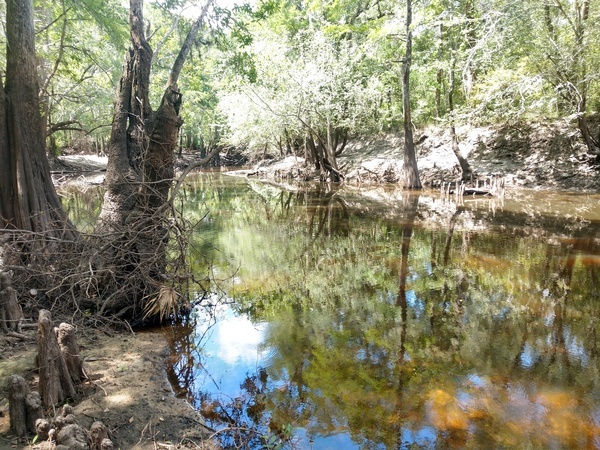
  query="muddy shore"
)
[{"x": 129, "y": 393}]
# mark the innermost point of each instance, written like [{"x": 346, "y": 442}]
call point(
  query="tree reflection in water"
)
[{"x": 420, "y": 324}]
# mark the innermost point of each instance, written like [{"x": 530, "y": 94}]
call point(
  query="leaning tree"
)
[
  {"x": 411, "y": 170},
  {"x": 122, "y": 266}
]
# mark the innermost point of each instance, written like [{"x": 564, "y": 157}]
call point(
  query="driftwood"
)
[
  {"x": 56, "y": 383},
  {"x": 11, "y": 314},
  {"x": 25, "y": 406},
  {"x": 69, "y": 349}
]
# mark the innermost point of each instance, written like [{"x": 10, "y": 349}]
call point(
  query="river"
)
[{"x": 372, "y": 318}]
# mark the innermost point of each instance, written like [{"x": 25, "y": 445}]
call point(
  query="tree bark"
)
[
  {"x": 140, "y": 174},
  {"x": 24, "y": 406},
  {"x": 29, "y": 199},
  {"x": 7, "y": 183},
  {"x": 100, "y": 437},
  {"x": 55, "y": 384},
  {"x": 411, "y": 170},
  {"x": 69, "y": 349},
  {"x": 10, "y": 310},
  {"x": 465, "y": 167},
  {"x": 128, "y": 139}
]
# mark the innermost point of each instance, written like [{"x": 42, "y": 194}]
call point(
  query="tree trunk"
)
[
  {"x": 67, "y": 341},
  {"x": 584, "y": 129},
  {"x": 411, "y": 171},
  {"x": 288, "y": 143},
  {"x": 128, "y": 139},
  {"x": 465, "y": 167},
  {"x": 139, "y": 175},
  {"x": 439, "y": 72},
  {"x": 582, "y": 15},
  {"x": 311, "y": 151},
  {"x": 100, "y": 437},
  {"x": 340, "y": 146},
  {"x": 28, "y": 200},
  {"x": 10, "y": 310}
]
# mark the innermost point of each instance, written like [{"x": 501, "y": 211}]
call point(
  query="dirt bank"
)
[
  {"x": 129, "y": 393},
  {"x": 542, "y": 155},
  {"x": 549, "y": 155}
]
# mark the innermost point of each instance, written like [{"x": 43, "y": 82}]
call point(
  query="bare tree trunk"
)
[
  {"x": 128, "y": 139},
  {"x": 67, "y": 341},
  {"x": 340, "y": 146},
  {"x": 465, "y": 167},
  {"x": 100, "y": 437},
  {"x": 411, "y": 170},
  {"x": 312, "y": 153},
  {"x": 439, "y": 74},
  {"x": 140, "y": 174},
  {"x": 582, "y": 123},
  {"x": 288, "y": 143},
  {"x": 29, "y": 200},
  {"x": 582, "y": 16},
  {"x": 10, "y": 310}
]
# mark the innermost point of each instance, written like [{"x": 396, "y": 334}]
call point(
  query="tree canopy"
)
[{"x": 281, "y": 77}]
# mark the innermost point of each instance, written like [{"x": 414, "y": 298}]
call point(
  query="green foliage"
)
[
  {"x": 308, "y": 84},
  {"x": 77, "y": 78},
  {"x": 265, "y": 75}
]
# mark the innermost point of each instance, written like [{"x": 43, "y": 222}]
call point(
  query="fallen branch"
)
[{"x": 16, "y": 335}]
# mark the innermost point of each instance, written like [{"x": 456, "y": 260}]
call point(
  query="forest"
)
[
  {"x": 302, "y": 77},
  {"x": 146, "y": 83}
]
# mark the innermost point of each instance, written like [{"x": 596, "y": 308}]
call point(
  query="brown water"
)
[{"x": 375, "y": 319}]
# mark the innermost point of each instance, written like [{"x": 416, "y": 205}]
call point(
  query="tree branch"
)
[
  {"x": 65, "y": 125},
  {"x": 187, "y": 45}
]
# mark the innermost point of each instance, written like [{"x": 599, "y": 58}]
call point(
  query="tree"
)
[
  {"x": 77, "y": 81},
  {"x": 568, "y": 58},
  {"x": 449, "y": 35},
  {"x": 134, "y": 216},
  {"x": 411, "y": 170},
  {"x": 28, "y": 199},
  {"x": 312, "y": 88}
]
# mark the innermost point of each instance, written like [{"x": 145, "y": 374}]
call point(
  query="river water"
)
[
  {"x": 344, "y": 318},
  {"x": 372, "y": 318}
]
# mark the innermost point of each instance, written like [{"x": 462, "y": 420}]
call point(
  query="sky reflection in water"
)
[
  {"x": 231, "y": 350},
  {"x": 378, "y": 331}
]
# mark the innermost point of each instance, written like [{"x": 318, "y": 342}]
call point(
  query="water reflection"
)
[
  {"x": 404, "y": 323},
  {"x": 413, "y": 325}
]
